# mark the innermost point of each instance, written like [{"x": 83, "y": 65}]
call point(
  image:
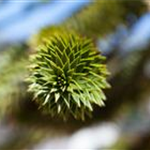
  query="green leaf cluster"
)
[{"x": 67, "y": 76}]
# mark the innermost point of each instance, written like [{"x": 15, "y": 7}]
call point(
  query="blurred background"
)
[{"x": 121, "y": 31}]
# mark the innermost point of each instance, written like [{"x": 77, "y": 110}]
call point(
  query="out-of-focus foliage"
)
[
  {"x": 102, "y": 17},
  {"x": 97, "y": 19},
  {"x": 136, "y": 7},
  {"x": 13, "y": 72}
]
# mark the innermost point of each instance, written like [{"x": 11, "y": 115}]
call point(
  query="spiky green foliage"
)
[{"x": 67, "y": 75}]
